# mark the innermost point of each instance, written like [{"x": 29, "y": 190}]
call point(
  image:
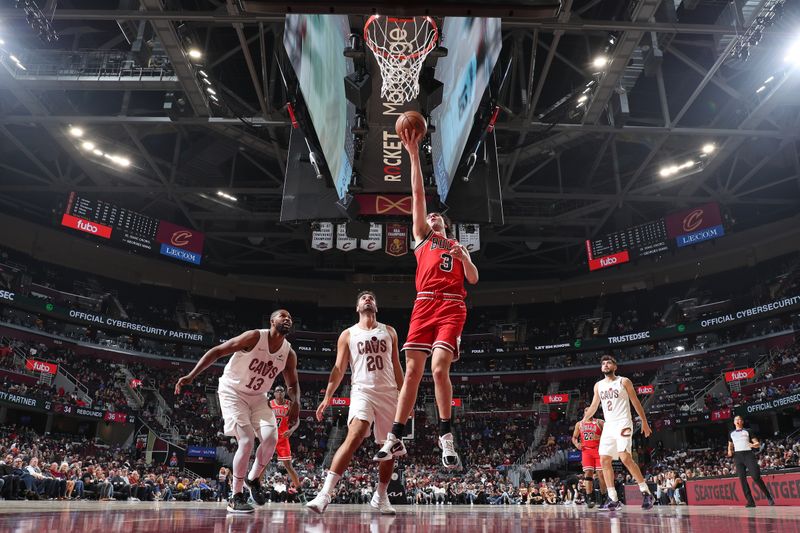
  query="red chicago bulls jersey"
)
[
  {"x": 437, "y": 270},
  {"x": 281, "y": 415},
  {"x": 590, "y": 434}
]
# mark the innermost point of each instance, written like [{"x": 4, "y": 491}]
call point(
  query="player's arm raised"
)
[
  {"x": 460, "y": 252},
  {"x": 243, "y": 342},
  {"x": 628, "y": 384},
  {"x": 337, "y": 372},
  {"x": 576, "y": 436},
  {"x": 292, "y": 387},
  {"x": 419, "y": 210},
  {"x": 592, "y": 409},
  {"x": 398, "y": 370}
]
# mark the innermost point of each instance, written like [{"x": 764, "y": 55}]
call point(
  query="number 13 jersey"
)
[
  {"x": 437, "y": 270},
  {"x": 254, "y": 372},
  {"x": 371, "y": 359}
]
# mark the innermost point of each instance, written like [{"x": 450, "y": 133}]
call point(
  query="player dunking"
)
[
  {"x": 371, "y": 349},
  {"x": 258, "y": 357},
  {"x": 586, "y": 438},
  {"x": 280, "y": 406},
  {"x": 438, "y": 316},
  {"x": 616, "y": 394}
]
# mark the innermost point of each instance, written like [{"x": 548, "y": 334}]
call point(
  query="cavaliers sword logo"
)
[{"x": 384, "y": 205}]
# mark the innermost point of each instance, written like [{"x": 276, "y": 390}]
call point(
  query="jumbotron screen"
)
[
  {"x": 118, "y": 224},
  {"x": 674, "y": 231}
]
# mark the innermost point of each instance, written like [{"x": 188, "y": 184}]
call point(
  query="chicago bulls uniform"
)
[
  {"x": 618, "y": 429},
  {"x": 439, "y": 311},
  {"x": 245, "y": 383},
  {"x": 373, "y": 395},
  {"x": 590, "y": 442},
  {"x": 281, "y": 411}
]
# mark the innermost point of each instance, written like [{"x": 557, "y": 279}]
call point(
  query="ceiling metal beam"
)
[{"x": 579, "y": 26}]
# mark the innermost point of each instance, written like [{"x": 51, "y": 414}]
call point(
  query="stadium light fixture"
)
[
  {"x": 793, "y": 54},
  {"x": 582, "y": 99},
  {"x": 75, "y": 131},
  {"x": 709, "y": 148},
  {"x": 87, "y": 145},
  {"x": 227, "y": 196},
  {"x": 761, "y": 89},
  {"x": 600, "y": 62},
  {"x": 210, "y": 90},
  {"x": 203, "y": 73},
  {"x": 194, "y": 53},
  {"x": 97, "y": 152}
]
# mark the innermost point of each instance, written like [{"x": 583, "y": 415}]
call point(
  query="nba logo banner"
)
[
  {"x": 343, "y": 242},
  {"x": 375, "y": 238},
  {"x": 322, "y": 238},
  {"x": 396, "y": 240},
  {"x": 470, "y": 236}
]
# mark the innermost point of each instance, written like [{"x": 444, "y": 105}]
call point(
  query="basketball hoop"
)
[{"x": 400, "y": 46}]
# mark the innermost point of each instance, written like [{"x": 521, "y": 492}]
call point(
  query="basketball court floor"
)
[{"x": 162, "y": 517}]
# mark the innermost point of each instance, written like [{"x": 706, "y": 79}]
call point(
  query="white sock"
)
[
  {"x": 382, "y": 488},
  {"x": 644, "y": 488},
  {"x": 330, "y": 482},
  {"x": 612, "y": 493}
]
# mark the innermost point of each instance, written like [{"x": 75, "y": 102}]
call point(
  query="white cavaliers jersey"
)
[
  {"x": 254, "y": 372},
  {"x": 616, "y": 403},
  {"x": 371, "y": 358}
]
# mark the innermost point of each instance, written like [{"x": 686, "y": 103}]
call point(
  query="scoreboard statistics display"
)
[
  {"x": 655, "y": 237},
  {"x": 118, "y": 224}
]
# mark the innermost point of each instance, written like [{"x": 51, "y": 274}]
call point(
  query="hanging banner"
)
[
  {"x": 375, "y": 240},
  {"x": 470, "y": 236},
  {"x": 396, "y": 240},
  {"x": 322, "y": 238},
  {"x": 41, "y": 366},
  {"x": 645, "y": 389},
  {"x": 343, "y": 242},
  {"x": 738, "y": 375}
]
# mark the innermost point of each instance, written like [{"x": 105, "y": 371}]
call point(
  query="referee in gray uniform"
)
[{"x": 741, "y": 444}]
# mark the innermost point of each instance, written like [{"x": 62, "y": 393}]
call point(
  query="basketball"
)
[{"x": 411, "y": 120}]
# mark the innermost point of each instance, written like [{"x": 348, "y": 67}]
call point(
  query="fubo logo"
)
[
  {"x": 86, "y": 226},
  {"x": 608, "y": 261}
]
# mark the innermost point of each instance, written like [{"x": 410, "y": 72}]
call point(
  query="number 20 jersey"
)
[
  {"x": 254, "y": 372},
  {"x": 437, "y": 270},
  {"x": 371, "y": 363}
]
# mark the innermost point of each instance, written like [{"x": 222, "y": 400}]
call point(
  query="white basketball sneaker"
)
[
  {"x": 450, "y": 458},
  {"x": 320, "y": 503},
  {"x": 393, "y": 447},
  {"x": 382, "y": 504}
]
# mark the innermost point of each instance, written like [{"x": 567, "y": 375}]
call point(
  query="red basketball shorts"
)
[
  {"x": 283, "y": 449},
  {"x": 590, "y": 459},
  {"x": 436, "y": 322}
]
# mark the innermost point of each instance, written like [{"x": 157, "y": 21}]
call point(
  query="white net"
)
[{"x": 400, "y": 46}]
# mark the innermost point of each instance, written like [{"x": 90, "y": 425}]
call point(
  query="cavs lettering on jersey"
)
[
  {"x": 437, "y": 270},
  {"x": 254, "y": 372},
  {"x": 615, "y": 402},
  {"x": 371, "y": 363},
  {"x": 590, "y": 434},
  {"x": 281, "y": 411}
]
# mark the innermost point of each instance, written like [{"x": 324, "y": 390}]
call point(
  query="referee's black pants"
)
[{"x": 746, "y": 462}]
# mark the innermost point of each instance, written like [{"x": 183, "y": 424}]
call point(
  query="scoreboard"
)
[
  {"x": 655, "y": 237},
  {"x": 645, "y": 239},
  {"x": 130, "y": 228}
]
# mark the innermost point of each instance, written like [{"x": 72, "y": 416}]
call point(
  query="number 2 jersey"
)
[
  {"x": 253, "y": 372},
  {"x": 371, "y": 363},
  {"x": 616, "y": 403},
  {"x": 437, "y": 270}
]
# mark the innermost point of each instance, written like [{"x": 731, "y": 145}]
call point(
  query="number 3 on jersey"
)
[{"x": 447, "y": 262}]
